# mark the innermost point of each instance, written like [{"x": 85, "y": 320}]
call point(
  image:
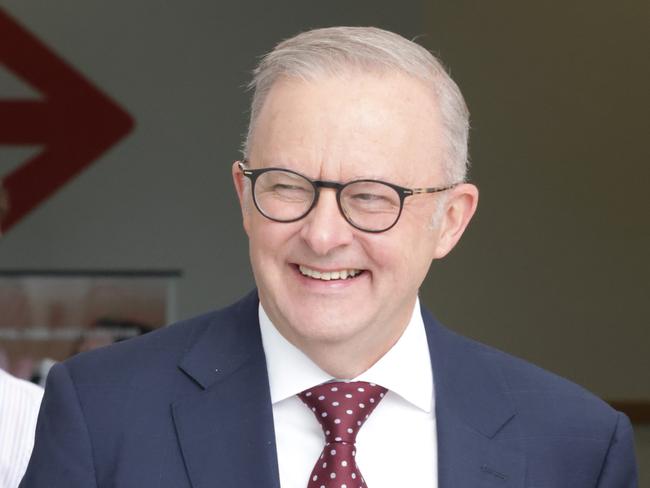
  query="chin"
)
[{"x": 328, "y": 329}]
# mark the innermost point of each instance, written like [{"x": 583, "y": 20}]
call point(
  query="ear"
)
[
  {"x": 238, "y": 179},
  {"x": 459, "y": 208}
]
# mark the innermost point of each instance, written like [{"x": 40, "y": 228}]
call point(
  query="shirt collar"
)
[{"x": 405, "y": 369}]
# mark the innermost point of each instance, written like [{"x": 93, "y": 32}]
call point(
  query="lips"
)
[{"x": 341, "y": 274}]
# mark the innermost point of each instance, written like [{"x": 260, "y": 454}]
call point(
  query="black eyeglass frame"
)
[{"x": 402, "y": 192}]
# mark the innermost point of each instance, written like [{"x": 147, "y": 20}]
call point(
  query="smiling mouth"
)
[{"x": 342, "y": 274}]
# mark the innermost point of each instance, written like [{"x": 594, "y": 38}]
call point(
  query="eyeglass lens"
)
[{"x": 286, "y": 196}]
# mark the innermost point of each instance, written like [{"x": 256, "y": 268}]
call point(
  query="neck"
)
[{"x": 344, "y": 361}]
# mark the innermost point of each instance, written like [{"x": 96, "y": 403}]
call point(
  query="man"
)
[{"x": 353, "y": 181}]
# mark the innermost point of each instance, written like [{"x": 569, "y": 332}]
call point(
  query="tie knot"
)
[{"x": 342, "y": 408}]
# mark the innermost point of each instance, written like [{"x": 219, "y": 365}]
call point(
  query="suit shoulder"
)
[
  {"x": 562, "y": 426},
  {"x": 548, "y": 403},
  {"x": 523, "y": 377},
  {"x": 519, "y": 375}
]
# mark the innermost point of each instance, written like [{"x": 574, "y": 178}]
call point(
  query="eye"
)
[
  {"x": 288, "y": 187},
  {"x": 283, "y": 185},
  {"x": 368, "y": 197}
]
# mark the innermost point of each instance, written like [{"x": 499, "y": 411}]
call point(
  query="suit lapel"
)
[
  {"x": 473, "y": 414},
  {"x": 226, "y": 429}
]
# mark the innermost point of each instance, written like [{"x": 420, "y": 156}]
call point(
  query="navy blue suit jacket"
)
[{"x": 189, "y": 406}]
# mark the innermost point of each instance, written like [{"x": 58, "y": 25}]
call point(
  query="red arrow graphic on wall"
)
[{"x": 74, "y": 122}]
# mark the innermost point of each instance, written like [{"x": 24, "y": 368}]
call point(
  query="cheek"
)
[
  {"x": 269, "y": 240},
  {"x": 389, "y": 256},
  {"x": 250, "y": 215},
  {"x": 403, "y": 262}
]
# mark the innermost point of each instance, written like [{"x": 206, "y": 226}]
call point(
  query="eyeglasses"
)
[{"x": 283, "y": 195}]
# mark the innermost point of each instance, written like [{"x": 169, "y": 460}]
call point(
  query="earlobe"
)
[{"x": 459, "y": 209}]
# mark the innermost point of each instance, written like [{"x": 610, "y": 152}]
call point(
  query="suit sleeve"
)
[
  {"x": 62, "y": 455},
  {"x": 619, "y": 468}
]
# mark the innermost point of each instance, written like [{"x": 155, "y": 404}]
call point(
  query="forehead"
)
[{"x": 372, "y": 125}]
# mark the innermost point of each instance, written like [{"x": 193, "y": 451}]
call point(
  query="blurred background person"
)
[{"x": 19, "y": 404}]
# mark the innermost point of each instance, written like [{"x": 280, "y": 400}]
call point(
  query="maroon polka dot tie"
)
[{"x": 341, "y": 408}]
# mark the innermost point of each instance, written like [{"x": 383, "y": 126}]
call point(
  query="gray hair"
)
[{"x": 338, "y": 50}]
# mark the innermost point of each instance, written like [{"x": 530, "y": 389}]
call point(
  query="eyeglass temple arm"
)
[{"x": 419, "y": 191}]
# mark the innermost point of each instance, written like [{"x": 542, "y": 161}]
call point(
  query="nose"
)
[{"x": 325, "y": 229}]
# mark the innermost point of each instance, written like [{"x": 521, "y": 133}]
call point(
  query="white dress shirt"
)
[
  {"x": 396, "y": 447},
  {"x": 19, "y": 404}
]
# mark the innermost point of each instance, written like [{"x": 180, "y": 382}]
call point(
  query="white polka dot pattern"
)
[{"x": 341, "y": 408}]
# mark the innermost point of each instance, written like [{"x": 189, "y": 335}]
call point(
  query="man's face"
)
[{"x": 382, "y": 127}]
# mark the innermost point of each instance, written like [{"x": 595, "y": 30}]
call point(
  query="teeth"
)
[{"x": 329, "y": 275}]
